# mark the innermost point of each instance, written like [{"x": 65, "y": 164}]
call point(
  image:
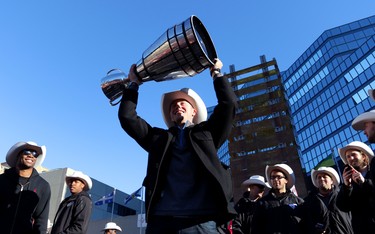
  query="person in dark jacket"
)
[
  {"x": 356, "y": 193},
  {"x": 246, "y": 205},
  {"x": 321, "y": 214},
  {"x": 187, "y": 187},
  {"x": 276, "y": 212},
  {"x": 74, "y": 212},
  {"x": 24, "y": 194}
]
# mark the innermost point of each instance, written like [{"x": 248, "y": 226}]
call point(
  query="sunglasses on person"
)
[{"x": 30, "y": 152}]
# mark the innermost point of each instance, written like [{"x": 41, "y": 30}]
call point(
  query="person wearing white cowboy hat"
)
[
  {"x": 246, "y": 206},
  {"x": 73, "y": 214},
  {"x": 320, "y": 211},
  {"x": 357, "y": 192},
  {"x": 276, "y": 211},
  {"x": 358, "y": 156},
  {"x": 111, "y": 228},
  {"x": 24, "y": 194},
  {"x": 184, "y": 172},
  {"x": 285, "y": 170},
  {"x": 366, "y": 122}
]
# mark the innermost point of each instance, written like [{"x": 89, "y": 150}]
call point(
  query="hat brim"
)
[
  {"x": 184, "y": 94},
  {"x": 112, "y": 228},
  {"x": 327, "y": 170},
  {"x": 249, "y": 182},
  {"x": 358, "y": 123},
  {"x": 12, "y": 155},
  {"x": 290, "y": 177}
]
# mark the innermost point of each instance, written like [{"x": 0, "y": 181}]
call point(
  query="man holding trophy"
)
[{"x": 188, "y": 189}]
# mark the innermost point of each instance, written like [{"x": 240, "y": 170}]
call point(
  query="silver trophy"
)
[{"x": 183, "y": 50}]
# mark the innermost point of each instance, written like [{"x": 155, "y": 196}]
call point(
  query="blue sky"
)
[{"x": 53, "y": 55}]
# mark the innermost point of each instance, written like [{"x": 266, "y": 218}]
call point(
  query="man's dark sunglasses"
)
[{"x": 30, "y": 152}]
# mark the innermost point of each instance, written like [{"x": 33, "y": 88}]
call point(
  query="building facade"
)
[
  {"x": 262, "y": 134},
  {"x": 327, "y": 88}
]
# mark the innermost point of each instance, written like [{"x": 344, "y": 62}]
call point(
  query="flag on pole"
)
[
  {"x": 326, "y": 162},
  {"x": 105, "y": 199},
  {"x": 137, "y": 193}
]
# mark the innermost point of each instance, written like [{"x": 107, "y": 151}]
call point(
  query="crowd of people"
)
[
  {"x": 188, "y": 189},
  {"x": 333, "y": 207}
]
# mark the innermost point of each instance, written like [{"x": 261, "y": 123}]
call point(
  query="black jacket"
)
[
  {"x": 73, "y": 215},
  {"x": 277, "y": 214},
  {"x": 318, "y": 217},
  {"x": 23, "y": 211},
  {"x": 242, "y": 222},
  {"x": 205, "y": 139},
  {"x": 360, "y": 200}
]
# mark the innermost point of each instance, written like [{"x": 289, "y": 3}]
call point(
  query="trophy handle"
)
[{"x": 112, "y": 85}]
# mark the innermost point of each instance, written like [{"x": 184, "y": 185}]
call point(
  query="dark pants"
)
[{"x": 180, "y": 225}]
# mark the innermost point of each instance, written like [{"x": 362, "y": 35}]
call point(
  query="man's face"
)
[
  {"x": 76, "y": 185},
  {"x": 181, "y": 111},
  {"x": 356, "y": 159},
  {"x": 278, "y": 180},
  {"x": 256, "y": 191},
  {"x": 370, "y": 131},
  {"x": 110, "y": 231},
  {"x": 27, "y": 159},
  {"x": 324, "y": 181}
]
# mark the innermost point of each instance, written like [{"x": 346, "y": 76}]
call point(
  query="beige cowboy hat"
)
[
  {"x": 256, "y": 179},
  {"x": 358, "y": 146},
  {"x": 358, "y": 123},
  {"x": 287, "y": 171},
  {"x": 11, "y": 157},
  {"x": 326, "y": 170},
  {"x": 79, "y": 175},
  {"x": 112, "y": 226},
  {"x": 188, "y": 95}
]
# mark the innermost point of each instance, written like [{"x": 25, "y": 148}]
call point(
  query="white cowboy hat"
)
[
  {"x": 79, "y": 175},
  {"x": 358, "y": 146},
  {"x": 359, "y": 122},
  {"x": 287, "y": 171},
  {"x": 326, "y": 170},
  {"x": 13, "y": 152},
  {"x": 371, "y": 93},
  {"x": 112, "y": 226},
  {"x": 256, "y": 179},
  {"x": 188, "y": 95}
]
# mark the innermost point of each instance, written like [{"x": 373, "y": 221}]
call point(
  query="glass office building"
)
[{"x": 327, "y": 88}]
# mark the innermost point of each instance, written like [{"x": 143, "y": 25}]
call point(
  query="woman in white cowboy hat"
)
[
  {"x": 320, "y": 211},
  {"x": 276, "y": 211},
  {"x": 111, "y": 228},
  {"x": 24, "y": 194},
  {"x": 357, "y": 193},
  {"x": 73, "y": 214}
]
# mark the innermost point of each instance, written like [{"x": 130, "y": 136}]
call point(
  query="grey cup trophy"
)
[{"x": 183, "y": 50}]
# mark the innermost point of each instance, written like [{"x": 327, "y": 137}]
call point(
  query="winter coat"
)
[
  {"x": 360, "y": 200},
  {"x": 277, "y": 214},
  {"x": 242, "y": 222},
  {"x": 204, "y": 138},
  {"x": 23, "y": 209},
  {"x": 318, "y": 217},
  {"x": 73, "y": 215}
]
